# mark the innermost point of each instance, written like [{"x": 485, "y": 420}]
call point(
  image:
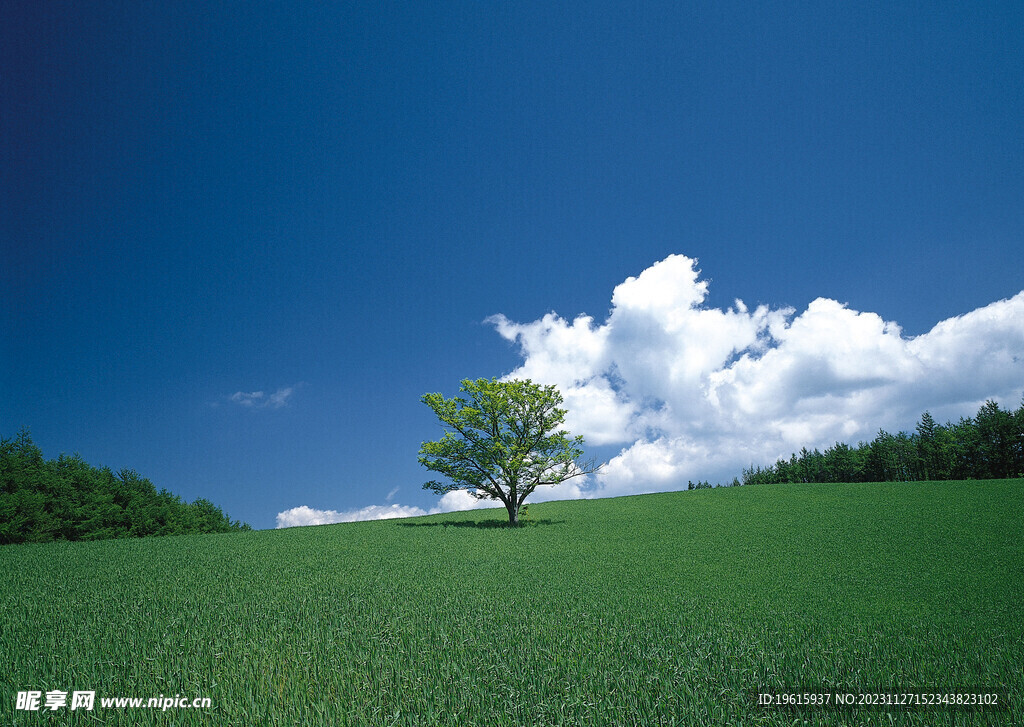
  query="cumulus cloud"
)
[
  {"x": 304, "y": 515},
  {"x": 261, "y": 400},
  {"x": 450, "y": 502},
  {"x": 461, "y": 500},
  {"x": 694, "y": 392}
]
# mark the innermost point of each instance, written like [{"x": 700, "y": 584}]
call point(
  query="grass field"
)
[{"x": 658, "y": 609}]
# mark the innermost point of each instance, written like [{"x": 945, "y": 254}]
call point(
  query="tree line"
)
[
  {"x": 68, "y": 499},
  {"x": 987, "y": 446}
]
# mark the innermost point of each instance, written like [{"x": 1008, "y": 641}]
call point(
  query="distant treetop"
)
[{"x": 69, "y": 499}]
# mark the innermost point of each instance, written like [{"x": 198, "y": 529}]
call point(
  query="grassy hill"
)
[{"x": 658, "y": 609}]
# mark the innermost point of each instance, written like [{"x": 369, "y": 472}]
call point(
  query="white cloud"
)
[
  {"x": 461, "y": 500},
  {"x": 252, "y": 399},
  {"x": 304, "y": 515},
  {"x": 280, "y": 397},
  {"x": 450, "y": 502},
  {"x": 573, "y": 356},
  {"x": 694, "y": 392},
  {"x": 260, "y": 400}
]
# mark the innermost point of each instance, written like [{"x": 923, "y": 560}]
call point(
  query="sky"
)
[{"x": 239, "y": 241}]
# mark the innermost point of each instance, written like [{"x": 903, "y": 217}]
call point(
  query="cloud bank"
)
[
  {"x": 692, "y": 392},
  {"x": 304, "y": 515},
  {"x": 450, "y": 502}
]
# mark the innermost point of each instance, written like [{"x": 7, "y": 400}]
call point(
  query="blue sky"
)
[{"x": 326, "y": 204}]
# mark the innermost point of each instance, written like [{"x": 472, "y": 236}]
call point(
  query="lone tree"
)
[{"x": 502, "y": 442}]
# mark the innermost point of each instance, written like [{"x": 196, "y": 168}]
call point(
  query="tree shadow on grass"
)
[{"x": 484, "y": 524}]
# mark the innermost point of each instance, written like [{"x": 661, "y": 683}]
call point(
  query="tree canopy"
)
[
  {"x": 502, "y": 441},
  {"x": 988, "y": 446},
  {"x": 69, "y": 499}
]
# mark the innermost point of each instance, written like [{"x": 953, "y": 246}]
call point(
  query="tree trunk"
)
[{"x": 513, "y": 514}]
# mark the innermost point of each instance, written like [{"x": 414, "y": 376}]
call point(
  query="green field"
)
[{"x": 657, "y": 609}]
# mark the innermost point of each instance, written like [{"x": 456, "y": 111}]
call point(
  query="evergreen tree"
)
[
  {"x": 995, "y": 439},
  {"x": 68, "y": 499},
  {"x": 989, "y": 446}
]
